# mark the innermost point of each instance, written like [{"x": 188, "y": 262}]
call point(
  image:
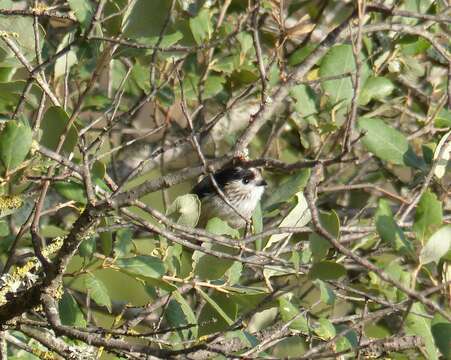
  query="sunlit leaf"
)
[
  {"x": 318, "y": 244},
  {"x": 64, "y": 63},
  {"x": 70, "y": 312},
  {"x": 83, "y": 10},
  {"x": 428, "y": 215},
  {"x": 185, "y": 210},
  {"x": 20, "y": 29},
  {"x": 201, "y": 26},
  {"x": 179, "y": 313},
  {"x": 71, "y": 190},
  {"x": 97, "y": 291},
  {"x": 305, "y": 100},
  {"x": 262, "y": 319},
  {"x": 387, "y": 143},
  {"x": 287, "y": 189},
  {"x": 324, "y": 329},
  {"x": 418, "y": 323},
  {"x": 53, "y": 127},
  {"x": 389, "y": 231},
  {"x": 135, "y": 25},
  {"x": 211, "y": 267},
  {"x": 144, "y": 265},
  {"x": 441, "y": 330},
  {"x": 437, "y": 246},
  {"x": 375, "y": 88},
  {"x": 215, "y": 306},
  {"x": 339, "y": 60},
  {"x": 15, "y": 143},
  {"x": 299, "y": 216},
  {"x": 327, "y": 270},
  {"x": 327, "y": 294},
  {"x": 289, "y": 312},
  {"x": 442, "y": 155}
]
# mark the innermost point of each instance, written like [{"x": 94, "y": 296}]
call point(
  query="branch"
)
[{"x": 310, "y": 196}]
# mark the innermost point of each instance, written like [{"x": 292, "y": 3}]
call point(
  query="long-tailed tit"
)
[{"x": 242, "y": 188}]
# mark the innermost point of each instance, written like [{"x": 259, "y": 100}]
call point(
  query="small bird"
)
[{"x": 242, "y": 187}]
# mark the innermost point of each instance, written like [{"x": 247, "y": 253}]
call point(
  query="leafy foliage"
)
[{"x": 110, "y": 111}]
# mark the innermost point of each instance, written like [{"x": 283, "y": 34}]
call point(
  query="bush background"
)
[{"x": 111, "y": 110}]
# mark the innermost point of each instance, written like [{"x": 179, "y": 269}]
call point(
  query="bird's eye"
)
[{"x": 246, "y": 180}]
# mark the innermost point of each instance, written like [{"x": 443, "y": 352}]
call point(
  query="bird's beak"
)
[{"x": 262, "y": 182}]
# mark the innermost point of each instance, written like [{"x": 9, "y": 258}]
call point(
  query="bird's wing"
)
[{"x": 204, "y": 188}]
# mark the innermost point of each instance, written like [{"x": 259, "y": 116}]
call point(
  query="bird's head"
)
[{"x": 234, "y": 182}]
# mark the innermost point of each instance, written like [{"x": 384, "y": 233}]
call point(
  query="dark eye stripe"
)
[{"x": 249, "y": 177}]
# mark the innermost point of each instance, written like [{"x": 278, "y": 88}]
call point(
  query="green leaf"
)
[
  {"x": 70, "y": 312},
  {"x": 83, "y": 10},
  {"x": 4, "y": 228},
  {"x": 327, "y": 270},
  {"x": 87, "y": 247},
  {"x": 257, "y": 221},
  {"x": 319, "y": 245},
  {"x": 22, "y": 34},
  {"x": 444, "y": 154},
  {"x": 96, "y": 102},
  {"x": 123, "y": 244},
  {"x": 106, "y": 238},
  {"x": 6, "y": 73},
  {"x": 325, "y": 329},
  {"x": 348, "y": 341},
  {"x": 219, "y": 311},
  {"x": 327, "y": 294},
  {"x": 441, "y": 330},
  {"x": 288, "y": 312},
  {"x": 15, "y": 143},
  {"x": 389, "y": 231},
  {"x": 201, "y": 26},
  {"x": 208, "y": 267},
  {"x": 220, "y": 227},
  {"x": 98, "y": 170},
  {"x": 234, "y": 273},
  {"x": 97, "y": 291},
  {"x": 185, "y": 210},
  {"x": 225, "y": 65},
  {"x": 287, "y": 189},
  {"x": 53, "y": 125},
  {"x": 418, "y": 324},
  {"x": 375, "y": 88},
  {"x": 299, "y": 216},
  {"x": 179, "y": 313},
  {"x": 413, "y": 45},
  {"x": 437, "y": 246},
  {"x": 144, "y": 265},
  {"x": 213, "y": 86},
  {"x": 443, "y": 119},
  {"x": 299, "y": 55},
  {"x": 305, "y": 100},
  {"x": 135, "y": 25},
  {"x": 262, "y": 319},
  {"x": 113, "y": 10},
  {"x": 64, "y": 63},
  {"x": 387, "y": 143},
  {"x": 71, "y": 190},
  {"x": 246, "y": 45},
  {"x": 428, "y": 215},
  {"x": 215, "y": 306},
  {"x": 10, "y": 93},
  {"x": 418, "y": 6},
  {"x": 340, "y": 60}
]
